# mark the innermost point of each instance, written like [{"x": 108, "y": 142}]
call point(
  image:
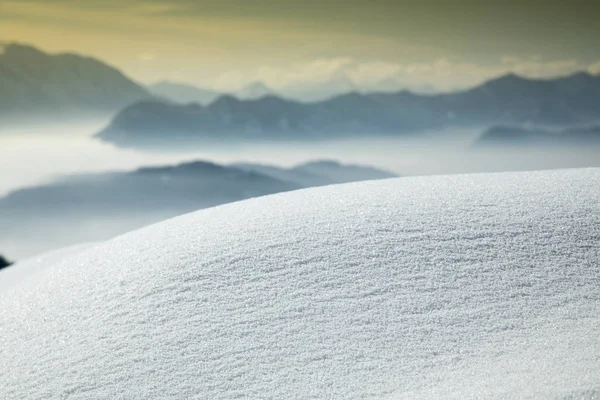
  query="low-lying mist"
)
[
  {"x": 39, "y": 154},
  {"x": 52, "y": 214}
]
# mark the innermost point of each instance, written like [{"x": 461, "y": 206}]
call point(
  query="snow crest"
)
[{"x": 473, "y": 286}]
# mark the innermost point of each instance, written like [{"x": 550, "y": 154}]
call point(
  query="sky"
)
[{"x": 225, "y": 44}]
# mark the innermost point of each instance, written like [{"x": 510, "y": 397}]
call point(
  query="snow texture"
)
[
  {"x": 29, "y": 266},
  {"x": 473, "y": 286}
]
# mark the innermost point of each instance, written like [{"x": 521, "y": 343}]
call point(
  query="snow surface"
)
[
  {"x": 31, "y": 265},
  {"x": 473, "y": 286}
]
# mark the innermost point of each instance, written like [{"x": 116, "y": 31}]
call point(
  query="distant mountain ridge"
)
[
  {"x": 189, "y": 185},
  {"x": 99, "y": 206},
  {"x": 319, "y": 173},
  {"x": 510, "y": 99},
  {"x": 185, "y": 93},
  {"x": 529, "y": 136},
  {"x": 197, "y": 182},
  {"x": 37, "y": 84}
]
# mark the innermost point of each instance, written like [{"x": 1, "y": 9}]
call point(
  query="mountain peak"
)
[
  {"x": 14, "y": 49},
  {"x": 254, "y": 90},
  {"x": 272, "y": 99},
  {"x": 25, "y": 52},
  {"x": 320, "y": 163},
  {"x": 510, "y": 77},
  {"x": 37, "y": 84},
  {"x": 513, "y": 78},
  {"x": 192, "y": 167},
  {"x": 226, "y": 100},
  {"x": 581, "y": 76}
]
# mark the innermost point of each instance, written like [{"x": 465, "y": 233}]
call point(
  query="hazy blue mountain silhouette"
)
[
  {"x": 507, "y": 100},
  {"x": 99, "y": 206},
  {"x": 318, "y": 173},
  {"x": 183, "y": 187},
  {"x": 528, "y": 136},
  {"x": 36, "y": 84}
]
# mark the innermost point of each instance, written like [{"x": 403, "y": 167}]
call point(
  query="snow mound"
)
[
  {"x": 473, "y": 286},
  {"x": 31, "y": 265}
]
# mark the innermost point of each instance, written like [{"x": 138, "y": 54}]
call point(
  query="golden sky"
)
[{"x": 226, "y": 43}]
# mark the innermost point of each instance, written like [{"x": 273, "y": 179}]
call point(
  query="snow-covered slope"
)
[
  {"x": 30, "y": 266},
  {"x": 474, "y": 286}
]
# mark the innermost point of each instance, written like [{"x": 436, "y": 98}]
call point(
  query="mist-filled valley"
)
[
  {"x": 38, "y": 154},
  {"x": 60, "y": 185}
]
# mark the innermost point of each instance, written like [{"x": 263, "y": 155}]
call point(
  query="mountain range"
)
[
  {"x": 536, "y": 136},
  {"x": 36, "y": 85},
  {"x": 510, "y": 99},
  {"x": 318, "y": 173},
  {"x": 97, "y": 206},
  {"x": 304, "y": 91},
  {"x": 184, "y": 93},
  {"x": 195, "y": 184},
  {"x": 40, "y": 87}
]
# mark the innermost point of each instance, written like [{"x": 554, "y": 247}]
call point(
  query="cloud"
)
[
  {"x": 230, "y": 46},
  {"x": 594, "y": 68},
  {"x": 540, "y": 69}
]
